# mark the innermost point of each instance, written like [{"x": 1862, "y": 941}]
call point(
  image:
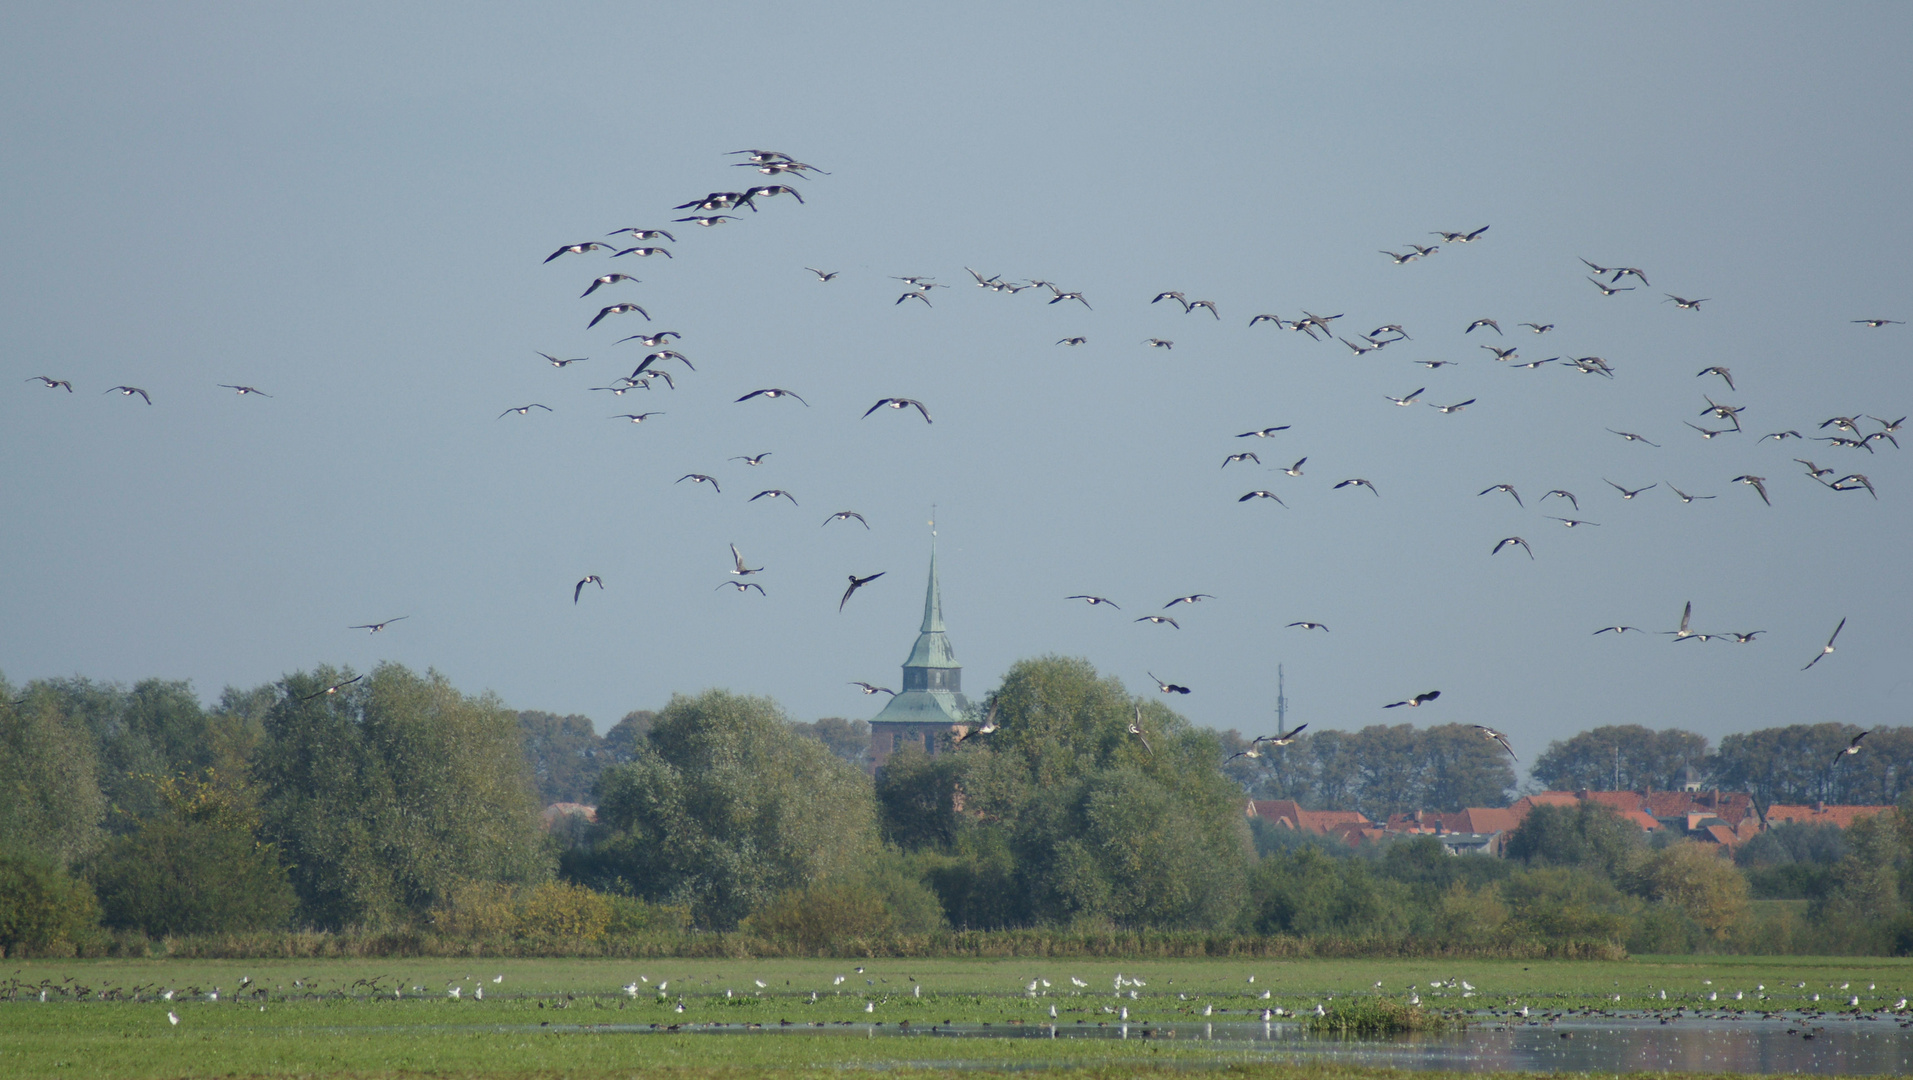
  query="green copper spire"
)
[
  {"x": 933, "y": 597},
  {"x": 932, "y": 678}
]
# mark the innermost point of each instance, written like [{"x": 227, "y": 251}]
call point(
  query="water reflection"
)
[{"x": 1821, "y": 1045}]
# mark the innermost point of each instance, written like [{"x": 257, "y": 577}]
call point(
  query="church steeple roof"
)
[
  {"x": 933, "y": 642},
  {"x": 932, "y": 678}
]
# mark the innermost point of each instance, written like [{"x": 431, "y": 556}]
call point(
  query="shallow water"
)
[{"x": 1853, "y": 1046}]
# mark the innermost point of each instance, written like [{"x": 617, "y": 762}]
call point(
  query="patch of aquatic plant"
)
[{"x": 1371, "y": 1016}]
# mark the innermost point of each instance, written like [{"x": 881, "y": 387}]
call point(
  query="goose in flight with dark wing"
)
[
  {"x": 1190, "y": 599},
  {"x": 1877, "y": 323},
  {"x": 1092, "y": 601},
  {"x": 1245, "y": 456},
  {"x": 844, "y": 515},
  {"x": 900, "y": 403},
  {"x": 744, "y": 586},
  {"x": 51, "y": 383},
  {"x": 1827, "y": 649},
  {"x": 1159, "y": 620},
  {"x": 1417, "y": 701},
  {"x": 1852, "y": 748},
  {"x": 129, "y": 391},
  {"x": 774, "y": 392},
  {"x": 603, "y": 280},
  {"x": 1513, "y": 540},
  {"x": 1625, "y": 493},
  {"x": 377, "y": 626},
  {"x": 634, "y": 233},
  {"x": 242, "y": 391},
  {"x": 1631, "y": 437},
  {"x": 589, "y": 579},
  {"x": 699, "y": 478},
  {"x": 523, "y": 410},
  {"x": 1306, "y": 625},
  {"x": 1509, "y": 488},
  {"x": 1135, "y": 728},
  {"x": 1497, "y": 737},
  {"x": 1357, "y": 481},
  {"x": 1758, "y": 483},
  {"x": 869, "y": 689},
  {"x": 1167, "y": 687},
  {"x": 617, "y": 309},
  {"x": 1568, "y": 495},
  {"x": 737, "y": 561},
  {"x": 1263, "y": 493},
  {"x": 1264, "y": 433},
  {"x": 578, "y": 249},
  {"x": 858, "y": 583},
  {"x": 334, "y": 688},
  {"x": 774, "y": 494}
]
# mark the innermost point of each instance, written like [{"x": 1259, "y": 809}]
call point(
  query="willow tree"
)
[
  {"x": 386, "y": 795},
  {"x": 1103, "y": 825},
  {"x": 725, "y": 806},
  {"x": 50, "y": 799}
]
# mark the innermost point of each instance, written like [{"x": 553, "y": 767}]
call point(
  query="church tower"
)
[{"x": 932, "y": 696}]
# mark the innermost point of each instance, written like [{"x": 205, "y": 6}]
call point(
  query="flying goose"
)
[
  {"x": 377, "y": 626},
  {"x": 842, "y": 515},
  {"x": 900, "y": 403},
  {"x": 589, "y": 579},
  {"x": 858, "y": 583},
  {"x": 617, "y": 309},
  {"x": 1827, "y": 649},
  {"x": 51, "y": 383},
  {"x": 1417, "y": 701},
  {"x": 129, "y": 391}
]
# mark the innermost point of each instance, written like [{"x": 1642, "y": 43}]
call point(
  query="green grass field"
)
[{"x": 546, "y": 1017}]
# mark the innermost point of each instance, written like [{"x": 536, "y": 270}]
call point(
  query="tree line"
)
[{"x": 392, "y": 800}]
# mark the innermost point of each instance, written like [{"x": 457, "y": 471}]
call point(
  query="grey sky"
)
[{"x": 346, "y": 206}]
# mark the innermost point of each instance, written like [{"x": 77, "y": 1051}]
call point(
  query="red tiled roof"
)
[
  {"x": 1290, "y": 813},
  {"x": 1843, "y": 816}
]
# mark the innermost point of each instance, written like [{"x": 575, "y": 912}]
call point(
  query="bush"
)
[
  {"x": 42, "y": 909},
  {"x": 196, "y": 868}
]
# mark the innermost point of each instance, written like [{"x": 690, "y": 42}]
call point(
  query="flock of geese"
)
[{"x": 1861, "y": 433}]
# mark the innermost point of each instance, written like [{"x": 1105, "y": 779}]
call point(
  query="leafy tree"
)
[
  {"x": 1102, "y": 827},
  {"x": 1788, "y": 764},
  {"x": 50, "y": 800},
  {"x": 196, "y": 869},
  {"x": 725, "y": 807},
  {"x": 1462, "y": 769},
  {"x": 1697, "y": 880},
  {"x": 42, "y": 908},
  {"x": 1569, "y": 905},
  {"x": 848, "y": 739},
  {"x": 1308, "y": 892},
  {"x": 918, "y": 798},
  {"x": 155, "y": 729},
  {"x": 1620, "y": 757},
  {"x": 386, "y": 795},
  {"x": 565, "y": 755},
  {"x": 1586, "y": 834},
  {"x": 625, "y": 740}
]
